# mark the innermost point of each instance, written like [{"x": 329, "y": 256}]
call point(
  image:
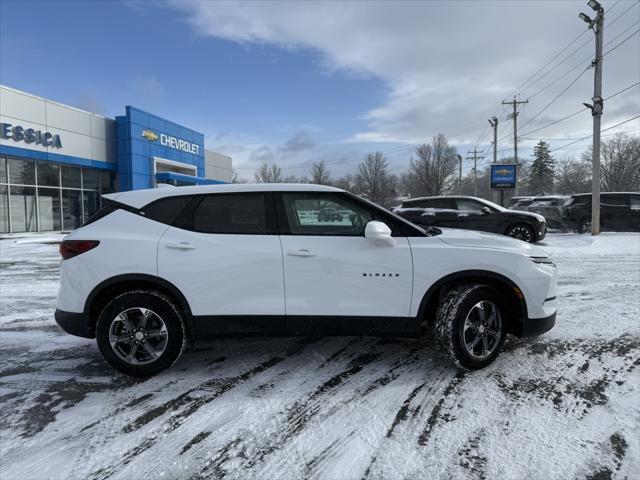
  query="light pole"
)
[
  {"x": 459, "y": 174},
  {"x": 493, "y": 121},
  {"x": 597, "y": 25}
]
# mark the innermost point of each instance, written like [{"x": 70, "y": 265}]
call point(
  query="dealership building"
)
[{"x": 56, "y": 161}]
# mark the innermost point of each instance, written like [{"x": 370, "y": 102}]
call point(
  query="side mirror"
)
[
  {"x": 486, "y": 210},
  {"x": 380, "y": 233}
]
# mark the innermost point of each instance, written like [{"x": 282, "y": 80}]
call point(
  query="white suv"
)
[{"x": 155, "y": 268}]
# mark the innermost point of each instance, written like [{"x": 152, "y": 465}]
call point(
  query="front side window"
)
[
  {"x": 324, "y": 214},
  {"x": 615, "y": 200},
  {"x": 239, "y": 213},
  {"x": 469, "y": 205}
]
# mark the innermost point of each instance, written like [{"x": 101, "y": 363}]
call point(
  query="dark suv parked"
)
[
  {"x": 619, "y": 211},
  {"x": 473, "y": 213}
]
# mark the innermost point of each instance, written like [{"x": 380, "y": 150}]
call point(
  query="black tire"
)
[
  {"x": 521, "y": 231},
  {"x": 449, "y": 327},
  {"x": 584, "y": 225},
  {"x": 171, "y": 338}
]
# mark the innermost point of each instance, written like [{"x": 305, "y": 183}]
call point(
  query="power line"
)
[
  {"x": 556, "y": 97},
  {"x": 625, "y": 40},
  {"x": 589, "y": 136}
]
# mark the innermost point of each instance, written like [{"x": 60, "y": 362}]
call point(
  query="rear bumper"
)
[
  {"x": 74, "y": 323},
  {"x": 532, "y": 327}
]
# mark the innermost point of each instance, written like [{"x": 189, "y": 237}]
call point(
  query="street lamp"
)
[{"x": 597, "y": 25}]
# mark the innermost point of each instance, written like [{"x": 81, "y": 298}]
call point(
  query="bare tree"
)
[
  {"x": 620, "y": 164},
  {"x": 346, "y": 183},
  {"x": 320, "y": 175},
  {"x": 430, "y": 173},
  {"x": 269, "y": 173},
  {"x": 374, "y": 181},
  {"x": 573, "y": 176}
]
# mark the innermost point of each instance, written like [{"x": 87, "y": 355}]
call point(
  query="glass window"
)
[
  {"x": 48, "y": 174},
  {"x": 22, "y": 202},
  {"x": 615, "y": 200},
  {"x": 237, "y": 213},
  {"x": 22, "y": 172},
  {"x": 90, "y": 179},
  {"x": 4, "y": 209},
  {"x": 106, "y": 181},
  {"x": 468, "y": 204},
  {"x": 167, "y": 209},
  {"x": 90, "y": 203},
  {"x": 71, "y": 209},
  {"x": 71, "y": 177},
  {"x": 49, "y": 209},
  {"x": 324, "y": 214},
  {"x": 634, "y": 202},
  {"x": 3, "y": 170}
]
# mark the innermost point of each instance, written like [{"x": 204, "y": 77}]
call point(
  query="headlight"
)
[{"x": 542, "y": 261}]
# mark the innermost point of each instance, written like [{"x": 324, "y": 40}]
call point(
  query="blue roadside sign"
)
[{"x": 503, "y": 177}]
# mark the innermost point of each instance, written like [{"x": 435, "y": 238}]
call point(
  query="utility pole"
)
[
  {"x": 493, "y": 121},
  {"x": 459, "y": 174},
  {"x": 597, "y": 25},
  {"x": 514, "y": 115},
  {"x": 475, "y": 170}
]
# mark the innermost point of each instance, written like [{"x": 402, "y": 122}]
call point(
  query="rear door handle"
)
[
  {"x": 180, "y": 245},
  {"x": 301, "y": 253}
]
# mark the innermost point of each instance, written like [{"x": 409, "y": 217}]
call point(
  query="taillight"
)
[{"x": 71, "y": 248}]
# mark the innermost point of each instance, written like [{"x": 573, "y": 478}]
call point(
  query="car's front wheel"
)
[
  {"x": 140, "y": 333},
  {"x": 521, "y": 231},
  {"x": 470, "y": 326},
  {"x": 584, "y": 225}
]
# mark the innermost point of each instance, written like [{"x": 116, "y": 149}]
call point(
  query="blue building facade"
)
[{"x": 56, "y": 161}]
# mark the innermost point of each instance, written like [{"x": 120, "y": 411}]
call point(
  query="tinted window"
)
[
  {"x": 244, "y": 213},
  {"x": 615, "y": 200},
  {"x": 308, "y": 214},
  {"x": 22, "y": 172},
  {"x": 634, "y": 202},
  {"x": 166, "y": 209},
  {"x": 48, "y": 174},
  {"x": 467, "y": 204}
]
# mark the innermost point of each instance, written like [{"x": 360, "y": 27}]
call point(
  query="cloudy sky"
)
[{"x": 296, "y": 82}]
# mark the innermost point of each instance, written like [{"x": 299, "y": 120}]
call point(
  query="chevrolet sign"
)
[{"x": 172, "y": 142}]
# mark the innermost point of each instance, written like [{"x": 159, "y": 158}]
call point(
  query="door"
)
[
  {"x": 615, "y": 212},
  {"x": 331, "y": 269},
  {"x": 224, "y": 255},
  {"x": 471, "y": 215}
]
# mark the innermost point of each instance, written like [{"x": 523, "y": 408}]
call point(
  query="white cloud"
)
[{"x": 447, "y": 64}]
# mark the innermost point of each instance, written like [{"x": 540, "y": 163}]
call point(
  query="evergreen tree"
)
[{"x": 541, "y": 171}]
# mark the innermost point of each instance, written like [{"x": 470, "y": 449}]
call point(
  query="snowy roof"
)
[{"x": 140, "y": 198}]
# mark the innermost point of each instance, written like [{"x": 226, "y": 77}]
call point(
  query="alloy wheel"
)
[
  {"x": 521, "y": 233},
  {"x": 138, "y": 336},
  {"x": 482, "y": 330}
]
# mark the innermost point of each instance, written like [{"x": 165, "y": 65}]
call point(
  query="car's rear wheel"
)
[
  {"x": 521, "y": 231},
  {"x": 470, "y": 326},
  {"x": 584, "y": 225},
  {"x": 140, "y": 333}
]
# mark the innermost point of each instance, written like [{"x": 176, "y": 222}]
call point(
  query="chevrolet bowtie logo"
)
[
  {"x": 504, "y": 171},
  {"x": 150, "y": 135}
]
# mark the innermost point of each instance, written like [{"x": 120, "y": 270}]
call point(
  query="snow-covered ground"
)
[{"x": 564, "y": 405}]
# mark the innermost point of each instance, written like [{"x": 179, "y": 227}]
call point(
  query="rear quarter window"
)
[{"x": 166, "y": 210}]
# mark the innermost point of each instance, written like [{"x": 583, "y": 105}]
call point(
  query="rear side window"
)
[
  {"x": 107, "y": 208},
  {"x": 615, "y": 200},
  {"x": 241, "y": 213},
  {"x": 166, "y": 210}
]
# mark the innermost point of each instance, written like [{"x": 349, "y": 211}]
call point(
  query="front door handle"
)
[
  {"x": 180, "y": 245},
  {"x": 301, "y": 253}
]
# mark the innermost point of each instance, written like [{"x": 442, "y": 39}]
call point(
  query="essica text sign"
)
[
  {"x": 29, "y": 135},
  {"x": 172, "y": 142},
  {"x": 503, "y": 176}
]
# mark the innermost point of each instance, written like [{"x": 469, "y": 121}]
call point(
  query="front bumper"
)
[
  {"x": 532, "y": 327},
  {"x": 74, "y": 323}
]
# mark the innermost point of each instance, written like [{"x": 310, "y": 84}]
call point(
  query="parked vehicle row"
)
[
  {"x": 619, "y": 211},
  {"x": 155, "y": 268},
  {"x": 473, "y": 213}
]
